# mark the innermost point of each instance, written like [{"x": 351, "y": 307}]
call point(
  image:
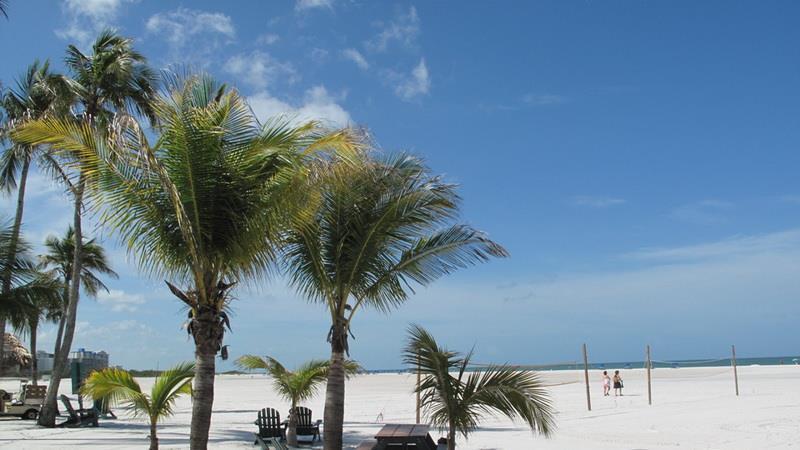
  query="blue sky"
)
[{"x": 638, "y": 159}]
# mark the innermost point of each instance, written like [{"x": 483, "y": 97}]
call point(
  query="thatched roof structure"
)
[{"x": 14, "y": 353}]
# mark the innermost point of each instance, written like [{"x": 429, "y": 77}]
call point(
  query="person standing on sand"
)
[
  {"x": 606, "y": 383},
  {"x": 617, "y": 383}
]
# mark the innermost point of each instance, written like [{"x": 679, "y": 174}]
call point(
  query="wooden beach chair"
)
[
  {"x": 80, "y": 417},
  {"x": 270, "y": 425},
  {"x": 273, "y": 444},
  {"x": 305, "y": 426}
]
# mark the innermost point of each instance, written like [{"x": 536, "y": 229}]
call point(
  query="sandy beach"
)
[{"x": 693, "y": 408}]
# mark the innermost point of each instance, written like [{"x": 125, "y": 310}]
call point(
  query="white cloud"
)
[
  {"x": 416, "y": 84},
  {"x": 706, "y": 212},
  {"x": 317, "y": 104},
  {"x": 259, "y": 69},
  {"x": 404, "y": 30},
  {"x": 596, "y": 202},
  {"x": 302, "y": 5},
  {"x": 183, "y": 27},
  {"x": 267, "y": 39},
  {"x": 356, "y": 56},
  {"x": 87, "y": 17},
  {"x": 120, "y": 301}
]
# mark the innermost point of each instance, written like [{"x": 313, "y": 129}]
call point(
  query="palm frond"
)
[{"x": 169, "y": 385}]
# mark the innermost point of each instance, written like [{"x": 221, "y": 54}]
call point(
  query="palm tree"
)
[
  {"x": 457, "y": 403},
  {"x": 119, "y": 386},
  {"x": 374, "y": 227},
  {"x": 108, "y": 84},
  {"x": 4, "y": 8},
  {"x": 58, "y": 261},
  {"x": 39, "y": 93},
  {"x": 204, "y": 204},
  {"x": 44, "y": 307},
  {"x": 31, "y": 291},
  {"x": 295, "y": 386}
]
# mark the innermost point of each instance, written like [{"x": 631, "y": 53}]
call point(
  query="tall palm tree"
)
[
  {"x": 457, "y": 403},
  {"x": 204, "y": 204},
  {"x": 58, "y": 260},
  {"x": 119, "y": 386},
  {"x": 110, "y": 83},
  {"x": 39, "y": 93},
  {"x": 374, "y": 227},
  {"x": 295, "y": 386}
]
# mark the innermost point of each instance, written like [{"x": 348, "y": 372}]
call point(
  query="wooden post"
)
[
  {"x": 586, "y": 375},
  {"x": 649, "y": 386},
  {"x": 419, "y": 381},
  {"x": 735, "y": 373}
]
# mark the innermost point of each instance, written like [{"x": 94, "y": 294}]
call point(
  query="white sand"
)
[{"x": 693, "y": 408}]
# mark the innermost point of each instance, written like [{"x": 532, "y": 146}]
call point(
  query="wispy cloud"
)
[
  {"x": 596, "y": 201},
  {"x": 356, "y": 57},
  {"x": 87, "y": 17},
  {"x": 259, "y": 69},
  {"x": 120, "y": 301},
  {"x": 727, "y": 248},
  {"x": 317, "y": 104},
  {"x": 302, "y": 5},
  {"x": 792, "y": 199},
  {"x": 403, "y": 30},
  {"x": 267, "y": 39},
  {"x": 706, "y": 212},
  {"x": 182, "y": 29},
  {"x": 543, "y": 99},
  {"x": 413, "y": 85}
]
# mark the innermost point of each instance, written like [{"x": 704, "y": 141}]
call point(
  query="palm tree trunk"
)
[
  {"x": 47, "y": 416},
  {"x": 34, "y": 361},
  {"x": 451, "y": 437},
  {"x": 12, "y": 247},
  {"x": 153, "y": 436},
  {"x": 334, "y": 393},
  {"x": 291, "y": 429},
  {"x": 207, "y": 333},
  {"x": 60, "y": 334}
]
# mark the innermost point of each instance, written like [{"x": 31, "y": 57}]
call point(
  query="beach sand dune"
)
[{"x": 693, "y": 408}]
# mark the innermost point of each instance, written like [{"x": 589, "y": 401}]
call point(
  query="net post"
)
[
  {"x": 586, "y": 376},
  {"x": 419, "y": 380},
  {"x": 649, "y": 385},
  {"x": 735, "y": 372}
]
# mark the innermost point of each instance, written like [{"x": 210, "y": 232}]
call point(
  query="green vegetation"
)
[
  {"x": 295, "y": 386},
  {"x": 457, "y": 403},
  {"x": 119, "y": 386}
]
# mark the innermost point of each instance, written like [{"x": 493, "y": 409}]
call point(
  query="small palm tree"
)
[
  {"x": 457, "y": 403},
  {"x": 371, "y": 229},
  {"x": 58, "y": 260},
  {"x": 295, "y": 386},
  {"x": 119, "y": 386}
]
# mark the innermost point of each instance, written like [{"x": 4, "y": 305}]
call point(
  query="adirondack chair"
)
[
  {"x": 274, "y": 444},
  {"x": 305, "y": 426},
  {"x": 80, "y": 417},
  {"x": 270, "y": 425}
]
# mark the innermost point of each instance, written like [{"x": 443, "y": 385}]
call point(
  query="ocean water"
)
[{"x": 576, "y": 365}]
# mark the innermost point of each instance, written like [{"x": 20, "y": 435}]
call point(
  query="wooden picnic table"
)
[{"x": 409, "y": 435}]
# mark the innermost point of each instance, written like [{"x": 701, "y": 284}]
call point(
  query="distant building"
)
[
  {"x": 44, "y": 361},
  {"x": 82, "y": 363}
]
